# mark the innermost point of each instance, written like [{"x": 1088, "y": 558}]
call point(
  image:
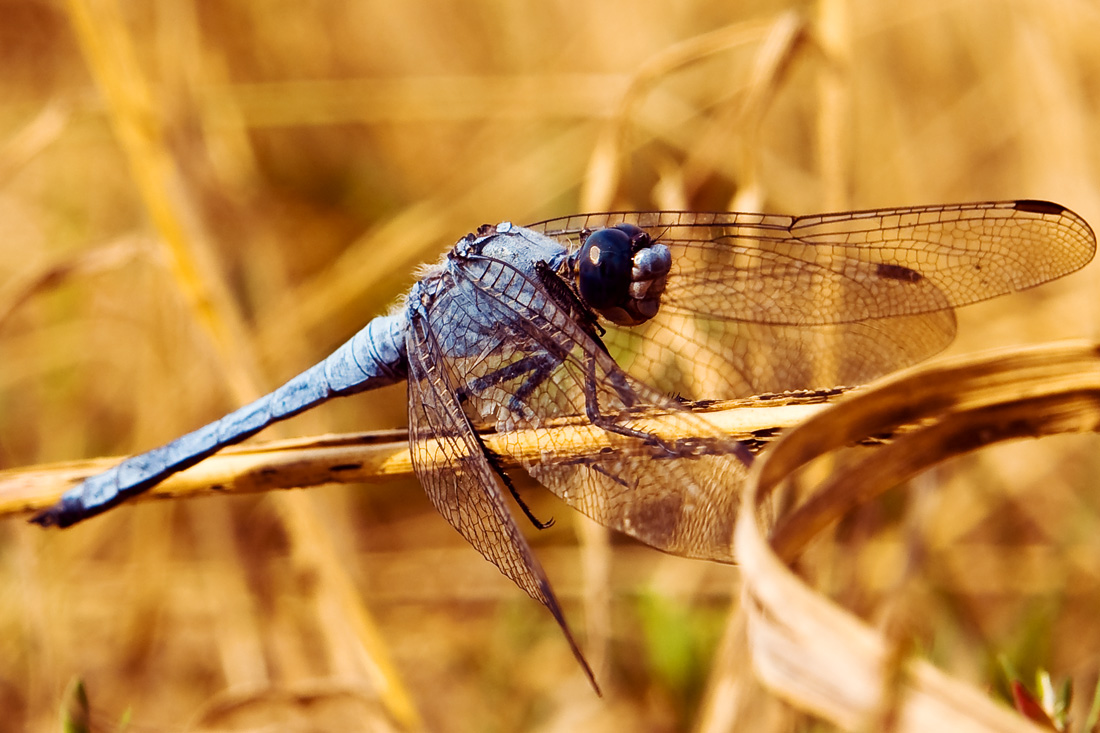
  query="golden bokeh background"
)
[{"x": 198, "y": 200}]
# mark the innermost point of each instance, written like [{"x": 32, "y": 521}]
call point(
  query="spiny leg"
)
[
  {"x": 494, "y": 462},
  {"x": 610, "y": 424},
  {"x": 539, "y": 367}
]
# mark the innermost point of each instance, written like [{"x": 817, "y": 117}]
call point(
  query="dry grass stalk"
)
[
  {"x": 808, "y": 649},
  {"x": 322, "y": 151}
]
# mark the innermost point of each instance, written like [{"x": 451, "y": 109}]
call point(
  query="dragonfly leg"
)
[
  {"x": 538, "y": 367},
  {"x": 596, "y": 417},
  {"x": 678, "y": 448},
  {"x": 494, "y": 461}
]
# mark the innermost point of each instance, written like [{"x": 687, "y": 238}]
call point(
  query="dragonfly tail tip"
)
[{"x": 46, "y": 518}]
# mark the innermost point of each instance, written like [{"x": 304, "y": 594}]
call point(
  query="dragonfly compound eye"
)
[
  {"x": 621, "y": 274},
  {"x": 603, "y": 269}
]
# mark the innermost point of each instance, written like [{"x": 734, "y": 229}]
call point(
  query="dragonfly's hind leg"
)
[
  {"x": 494, "y": 462},
  {"x": 538, "y": 368}
]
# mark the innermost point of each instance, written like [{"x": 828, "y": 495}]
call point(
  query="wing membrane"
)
[
  {"x": 677, "y": 494},
  {"x": 452, "y": 466},
  {"x": 759, "y": 303}
]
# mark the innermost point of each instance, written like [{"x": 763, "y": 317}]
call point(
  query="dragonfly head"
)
[{"x": 621, "y": 272}]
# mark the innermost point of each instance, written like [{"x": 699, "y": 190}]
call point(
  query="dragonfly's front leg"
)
[{"x": 615, "y": 379}]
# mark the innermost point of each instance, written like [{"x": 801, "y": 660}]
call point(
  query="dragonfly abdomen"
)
[{"x": 374, "y": 357}]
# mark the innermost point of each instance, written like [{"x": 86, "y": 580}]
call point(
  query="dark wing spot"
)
[
  {"x": 897, "y": 272},
  {"x": 346, "y": 467},
  {"x": 1040, "y": 207},
  {"x": 657, "y": 518}
]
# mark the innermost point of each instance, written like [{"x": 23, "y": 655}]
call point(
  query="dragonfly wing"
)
[
  {"x": 675, "y": 486},
  {"x": 786, "y": 302},
  {"x": 454, "y": 469},
  {"x": 700, "y": 358}
]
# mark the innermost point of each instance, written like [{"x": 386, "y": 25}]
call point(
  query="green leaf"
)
[{"x": 75, "y": 712}]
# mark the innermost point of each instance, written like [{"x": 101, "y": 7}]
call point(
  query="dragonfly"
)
[{"x": 603, "y": 318}]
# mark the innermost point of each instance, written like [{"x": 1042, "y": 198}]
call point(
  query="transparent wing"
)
[
  {"x": 759, "y": 303},
  {"x": 455, "y": 472},
  {"x": 537, "y": 364}
]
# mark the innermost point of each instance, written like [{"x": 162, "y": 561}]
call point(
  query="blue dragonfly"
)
[{"x": 603, "y": 318}]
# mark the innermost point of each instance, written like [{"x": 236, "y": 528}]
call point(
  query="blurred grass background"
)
[{"x": 198, "y": 200}]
